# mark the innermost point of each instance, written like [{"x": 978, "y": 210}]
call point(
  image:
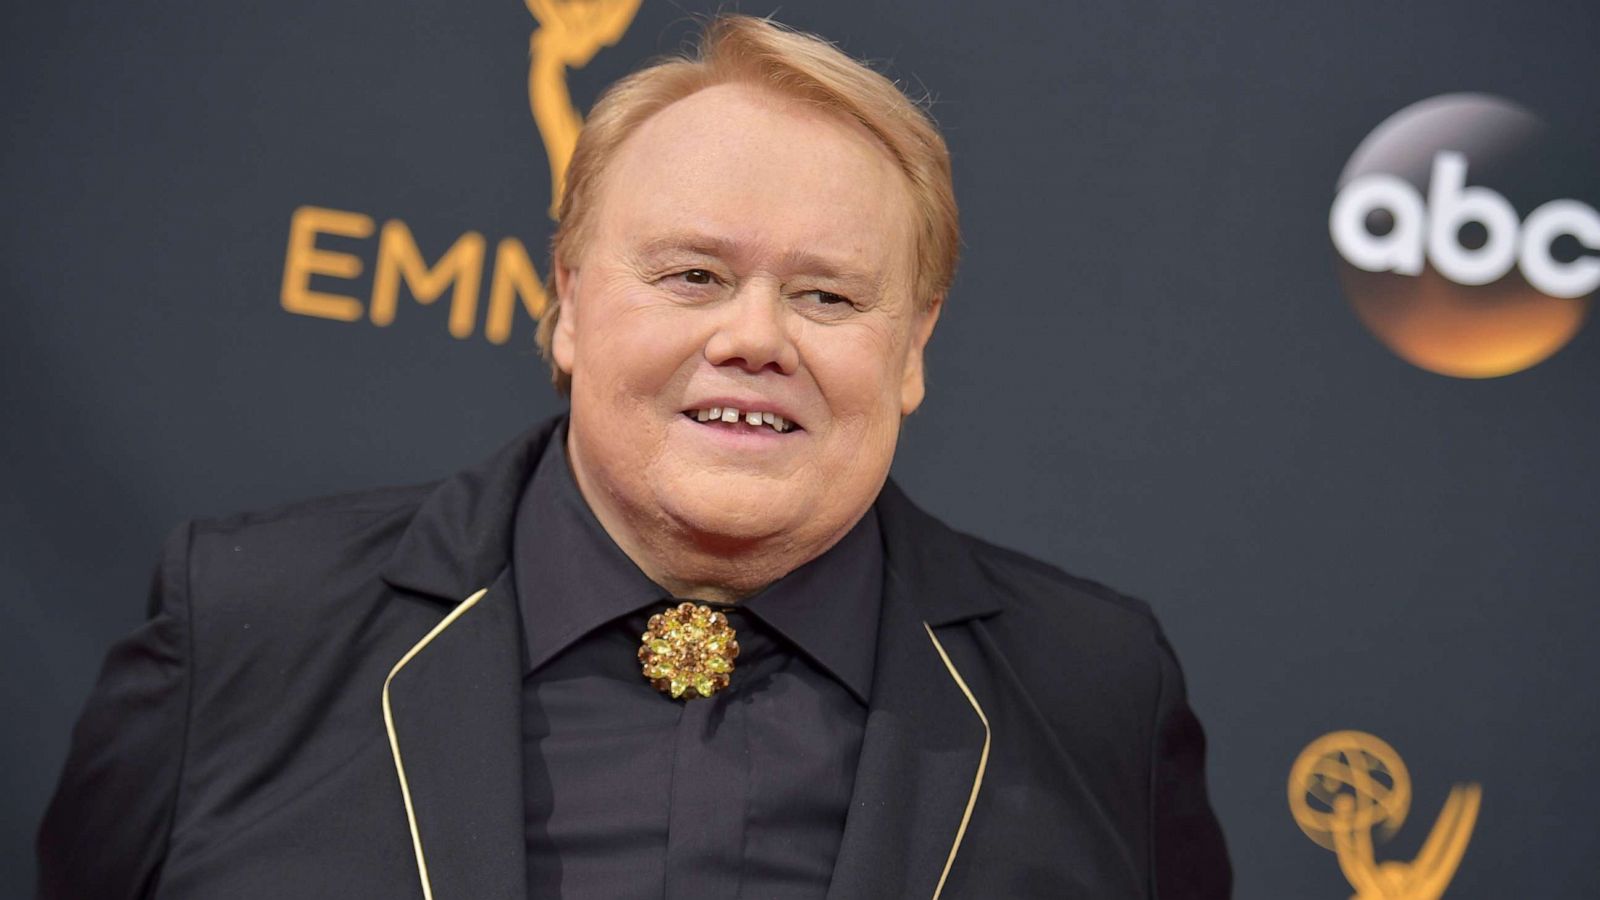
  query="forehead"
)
[{"x": 761, "y": 171}]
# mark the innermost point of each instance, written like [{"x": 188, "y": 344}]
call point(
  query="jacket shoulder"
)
[
  {"x": 1047, "y": 594},
  {"x": 318, "y": 529},
  {"x": 336, "y": 510},
  {"x": 1089, "y": 652},
  {"x": 1096, "y": 669},
  {"x": 296, "y": 558}
]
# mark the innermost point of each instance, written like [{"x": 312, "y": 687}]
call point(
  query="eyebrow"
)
[{"x": 799, "y": 261}]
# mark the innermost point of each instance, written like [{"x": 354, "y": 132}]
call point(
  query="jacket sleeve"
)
[
  {"x": 1189, "y": 857},
  {"x": 105, "y": 832}
]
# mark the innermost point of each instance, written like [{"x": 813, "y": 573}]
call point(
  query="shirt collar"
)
[
  {"x": 829, "y": 607},
  {"x": 571, "y": 578}
]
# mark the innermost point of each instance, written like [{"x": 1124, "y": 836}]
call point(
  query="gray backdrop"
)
[{"x": 1147, "y": 373}]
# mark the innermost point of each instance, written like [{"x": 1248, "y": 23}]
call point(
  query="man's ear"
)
[
  {"x": 563, "y": 343},
  {"x": 912, "y": 386}
]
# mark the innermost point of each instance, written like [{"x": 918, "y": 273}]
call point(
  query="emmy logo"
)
[
  {"x": 1347, "y": 785},
  {"x": 570, "y": 32}
]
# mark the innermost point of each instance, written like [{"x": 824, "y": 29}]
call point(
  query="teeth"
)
[{"x": 732, "y": 416}]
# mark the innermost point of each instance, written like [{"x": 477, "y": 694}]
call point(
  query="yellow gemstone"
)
[
  {"x": 705, "y": 684},
  {"x": 717, "y": 664}
]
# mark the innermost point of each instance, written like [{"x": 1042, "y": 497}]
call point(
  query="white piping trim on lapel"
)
[
  {"x": 394, "y": 740},
  {"x": 983, "y": 760}
]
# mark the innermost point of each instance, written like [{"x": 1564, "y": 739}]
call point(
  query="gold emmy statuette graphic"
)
[
  {"x": 570, "y": 32},
  {"x": 1348, "y": 784}
]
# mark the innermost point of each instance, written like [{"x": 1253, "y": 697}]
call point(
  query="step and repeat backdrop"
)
[{"x": 1274, "y": 316}]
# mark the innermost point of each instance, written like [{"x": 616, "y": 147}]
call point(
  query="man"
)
[{"x": 687, "y": 641}]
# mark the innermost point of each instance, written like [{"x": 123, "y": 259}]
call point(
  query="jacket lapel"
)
[
  {"x": 918, "y": 771},
  {"x": 452, "y": 707},
  {"x": 453, "y": 703},
  {"x": 927, "y": 741}
]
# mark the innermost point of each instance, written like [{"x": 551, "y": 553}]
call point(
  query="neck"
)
[
  {"x": 693, "y": 563},
  {"x": 703, "y": 567}
]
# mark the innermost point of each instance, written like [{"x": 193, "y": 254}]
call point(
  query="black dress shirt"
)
[{"x": 629, "y": 793}]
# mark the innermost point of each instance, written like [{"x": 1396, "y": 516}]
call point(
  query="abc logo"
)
[
  {"x": 1437, "y": 260},
  {"x": 1437, "y": 226}
]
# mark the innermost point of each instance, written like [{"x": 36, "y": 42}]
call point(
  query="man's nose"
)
[{"x": 752, "y": 331}]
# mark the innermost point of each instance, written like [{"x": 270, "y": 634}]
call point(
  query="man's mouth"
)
[{"x": 738, "y": 418}]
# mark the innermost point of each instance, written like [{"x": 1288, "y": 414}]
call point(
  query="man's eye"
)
[
  {"x": 828, "y": 298},
  {"x": 698, "y": 276}
]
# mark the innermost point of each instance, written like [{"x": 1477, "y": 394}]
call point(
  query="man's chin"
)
[
  {"x": 732, "y": 525},
  {"x": 732, "y": 511}
]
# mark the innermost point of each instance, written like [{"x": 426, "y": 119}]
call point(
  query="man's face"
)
[{"x": 748, "y": 254}]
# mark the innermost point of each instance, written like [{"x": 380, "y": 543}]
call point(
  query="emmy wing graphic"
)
[{"x": 570, "y": 32}]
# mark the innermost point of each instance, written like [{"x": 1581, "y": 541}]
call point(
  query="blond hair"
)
[{"x": 743, "y": 49}]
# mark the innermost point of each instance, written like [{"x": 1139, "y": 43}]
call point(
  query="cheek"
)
[
  {"x": 858, "y": 372},
  {"x": 634, "y": 346}
]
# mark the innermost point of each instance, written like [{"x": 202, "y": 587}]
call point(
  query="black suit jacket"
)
[{"x": 326, "y": 702}]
